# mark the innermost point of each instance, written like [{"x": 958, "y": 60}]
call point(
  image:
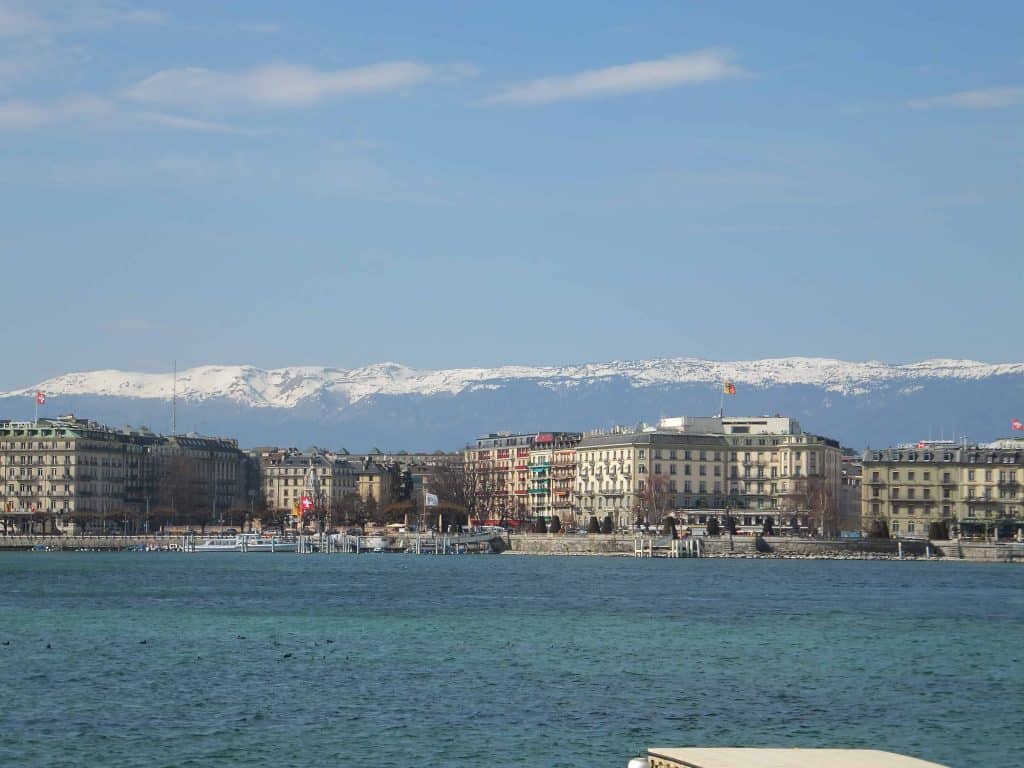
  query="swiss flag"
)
[
  {"x": 1017, "y": 424},
  {"x": 306, "y": 503},
  {"x": 40, "y": 398}
]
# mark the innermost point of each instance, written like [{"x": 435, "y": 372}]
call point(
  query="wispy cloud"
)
[
  {"x": 183, "y": 123},
  {"x": 19, "y": 115},
  {"x": 982, "y": 98},
  {"x": 279, "y": 85},
  {"x": 673, "y": 71}
]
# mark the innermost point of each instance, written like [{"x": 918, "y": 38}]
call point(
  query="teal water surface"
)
[{"x": 164, "y": 659}]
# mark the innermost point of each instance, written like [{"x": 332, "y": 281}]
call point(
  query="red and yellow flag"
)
[{"x": 729, "y": 388}]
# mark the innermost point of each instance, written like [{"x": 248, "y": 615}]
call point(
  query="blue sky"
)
[{"x": 451, "y": 184}]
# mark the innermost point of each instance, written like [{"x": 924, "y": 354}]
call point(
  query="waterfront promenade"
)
[{"x": 614, "y": 545}]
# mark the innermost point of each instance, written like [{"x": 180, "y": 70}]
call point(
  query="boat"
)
[{"x": 247, "y": 542}]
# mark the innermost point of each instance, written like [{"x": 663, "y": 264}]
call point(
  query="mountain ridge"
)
[
  {"x": 288, "y": 386},
  {"x": 388, "y": 404}
]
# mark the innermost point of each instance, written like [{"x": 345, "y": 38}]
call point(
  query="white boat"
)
[{"x": 246, "y": 542}]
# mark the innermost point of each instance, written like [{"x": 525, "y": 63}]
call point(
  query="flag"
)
[
  {"x": 729, "y": 388},
  {"x": 40, "y": 398},
  {"x": 306, "y": 503},
  {"x": 1017, "y": 424},
  {"x": 429, "y": 500}
]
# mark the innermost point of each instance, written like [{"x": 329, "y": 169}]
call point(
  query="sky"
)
[{"x": 469, "y": 183}]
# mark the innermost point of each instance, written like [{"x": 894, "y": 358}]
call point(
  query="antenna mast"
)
[{"x": 174, "y": 402}]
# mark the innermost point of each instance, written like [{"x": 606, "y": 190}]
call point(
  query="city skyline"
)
[{"x": 580, "y": 183}]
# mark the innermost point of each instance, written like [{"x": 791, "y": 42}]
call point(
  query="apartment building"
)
[
  {"x": 974, "y": 488},
  {"x": 752, "y": 467},
  {"x": 286, "y": 475},
  {"x": 61, "y": 474},
  {"x": 497, "y": 468},
  {"x": 551, "y": 482}
]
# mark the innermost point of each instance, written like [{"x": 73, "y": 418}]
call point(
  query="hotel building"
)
[{"x": 974, "y": 488}]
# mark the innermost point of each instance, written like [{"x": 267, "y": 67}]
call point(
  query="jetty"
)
[{"x": 750, "y": 757}]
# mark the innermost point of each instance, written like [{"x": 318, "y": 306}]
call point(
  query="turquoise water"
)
[{"x": 164, "y": 659}]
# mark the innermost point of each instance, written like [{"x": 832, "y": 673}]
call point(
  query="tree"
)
[
  {"x": 178, "y": 490},
  {"x": 556, "y": 524},
  {"x": 656, "y": 500},
  {"x": 593, "y": 526},
  {"x": 539, "y": 526},
  {"x": 669, "y": 527},
  {"x": 730, "y": 525},
  {"x": 712, "y": 526},
  {"x": 768, "y": 529},
  {"x": 818, "y": 498},
  {"x": 606, "y": 525},
  {"x": 473, "y": 486}
]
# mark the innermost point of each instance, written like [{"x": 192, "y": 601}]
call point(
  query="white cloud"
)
[
  {"x": 673, "y": 71},
  {"x": 277, "y": 85},
  {"x": 982, "y": 98},
  {"x": 19, "y": 115}
]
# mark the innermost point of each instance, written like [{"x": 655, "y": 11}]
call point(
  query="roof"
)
[{"x": 739, "y": 757}]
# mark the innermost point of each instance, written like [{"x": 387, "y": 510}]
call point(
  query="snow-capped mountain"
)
[{"x": 398, "y": 406}]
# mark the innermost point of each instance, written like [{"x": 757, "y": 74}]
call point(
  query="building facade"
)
[
  {"x": 286, "y": 475},
  {"x": 544, "y": 488},
  {"x": 65, "y": 474},
  {"x": 974, "y": 488},
  {"x": 752, "y": 467}
]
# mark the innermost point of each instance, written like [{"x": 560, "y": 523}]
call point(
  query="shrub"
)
[
  {"x": 593, "y": 526},
  {"x": 730, "y": 524},
  {"x": 556, "y": 524},
  {"x": 713, "y": 528},
  {"x": 938, "y": 530},
  {"x": 539, "y": 526},
  {"x": 606, "y": 524}
]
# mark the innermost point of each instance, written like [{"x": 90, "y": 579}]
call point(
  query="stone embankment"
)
[{"x": 771, "y": 546}]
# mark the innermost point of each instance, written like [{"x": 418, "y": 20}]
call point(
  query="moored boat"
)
[{"x": 246, "y": 542}]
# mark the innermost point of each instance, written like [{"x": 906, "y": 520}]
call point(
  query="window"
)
[
  {"x": 970, "y": 474},
  {"x": 910, "y": 475},
  {"x": 895, "y": 526},
  {"x": 671, "y": 469},
  {"x": 657, "y": 467},
  {"x": 895, "y": 493},
  {"x": 927, "y": 476}
]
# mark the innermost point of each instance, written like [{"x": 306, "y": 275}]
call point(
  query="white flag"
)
[{"x": 429, "y": 500}]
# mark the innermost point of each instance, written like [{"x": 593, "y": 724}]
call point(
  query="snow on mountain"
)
[{"x": 288, "y": 387}]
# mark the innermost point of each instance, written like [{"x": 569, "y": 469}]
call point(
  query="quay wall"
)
[
  {"x": 89, "y": 542},
  {"x": 778, "y": 546}
]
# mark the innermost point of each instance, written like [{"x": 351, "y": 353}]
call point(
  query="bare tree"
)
[
  {"x": 656, "y": 500},
  {"x": 817, "y": 498}
]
